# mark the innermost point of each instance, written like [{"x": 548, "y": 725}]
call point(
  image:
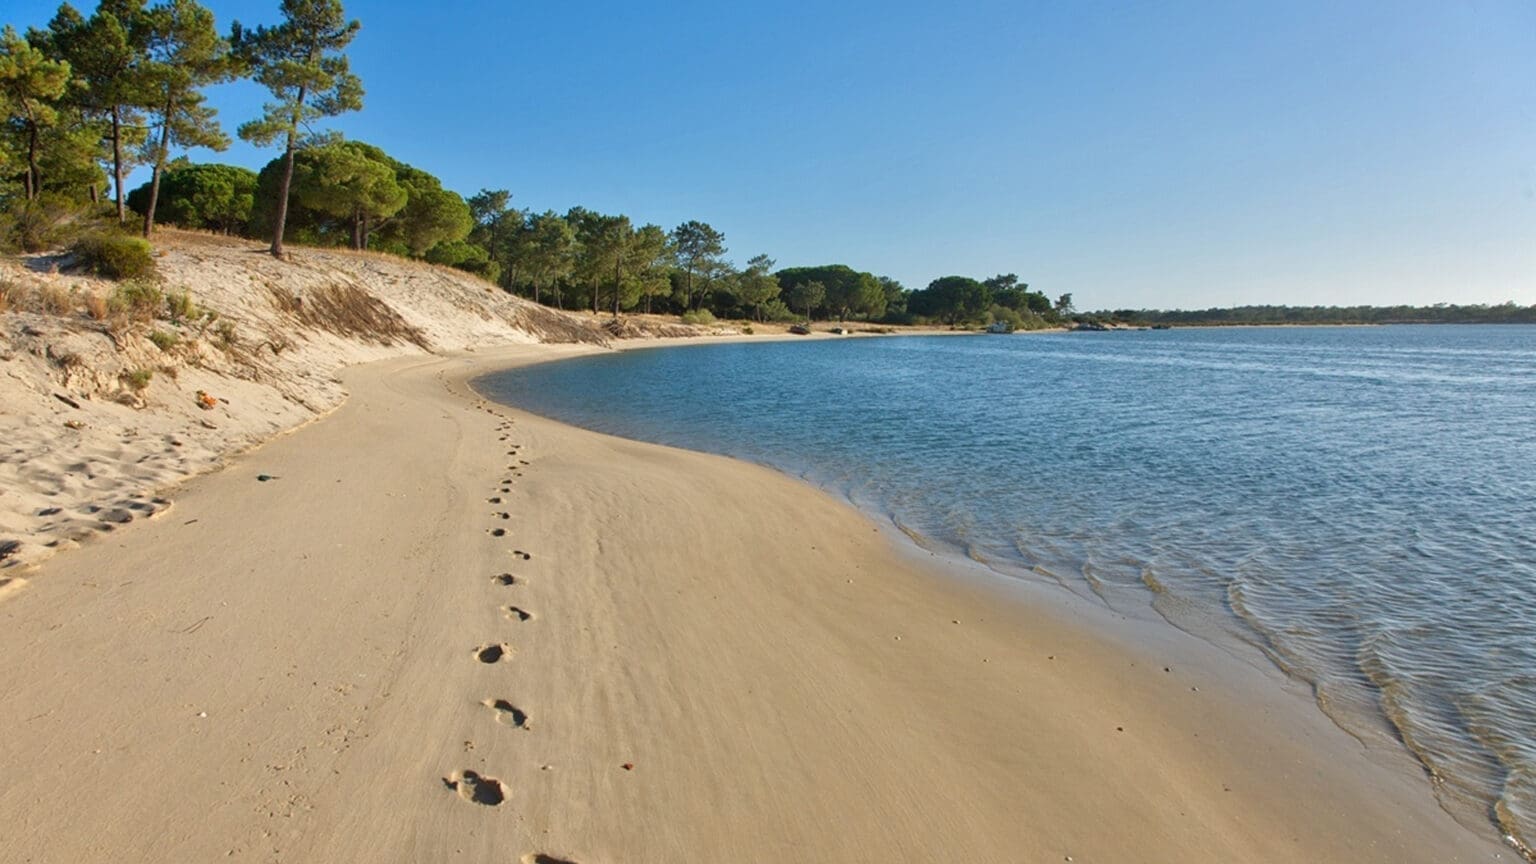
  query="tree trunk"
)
[
  {"x": 117, "y": 163},
  {"x": 618, "y": 279},
  {"x": 594, "y": 296},
  {"x": 154, "y": 177},
  {"x": 357, "y": 230},
  {"x": 34, "y": 184},
  {"x": 280, "y": 223}
]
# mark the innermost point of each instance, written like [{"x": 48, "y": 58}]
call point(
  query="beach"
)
[{"x": 446, "y": 629}]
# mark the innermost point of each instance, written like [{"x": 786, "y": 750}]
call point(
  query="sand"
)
[{"x": 447, "y": 630}]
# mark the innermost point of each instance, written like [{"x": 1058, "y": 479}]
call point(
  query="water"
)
[{"x": 1357, "y": 502}]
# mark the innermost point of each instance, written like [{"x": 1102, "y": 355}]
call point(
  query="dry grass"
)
[
  {"x": 53, "y": 300},
  {"x": 96, "y": 306},
  {"x": 348, "y": 310},
  {"x": 12, "y": 295}
]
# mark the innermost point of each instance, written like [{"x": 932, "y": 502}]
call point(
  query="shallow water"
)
[{"x": 1357, "y": 502}]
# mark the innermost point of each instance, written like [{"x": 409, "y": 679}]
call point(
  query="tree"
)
[
  {"x": 807, "y": 296},
  {"x": 106, "y": 54},
  {"x": 29, "y": 84},
  {"x": 1064, "y": 306},
  {"x": 302, "y": 62},
  {"x": 211, "y": 196},
  {"x": 550, "y": 253},
  {"x": 757, "y": 284},
  {"x": 431, "y": 215},
  {"x": 648, "y": 260},
  {"x": 344, "y": 180},
  {"x": 952, "y": 298},
  {"x": 185, "y": 54},
  {"x": 697, "y": 246}
]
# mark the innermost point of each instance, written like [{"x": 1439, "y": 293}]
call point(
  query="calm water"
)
[{"x": 1359, "y": 503}]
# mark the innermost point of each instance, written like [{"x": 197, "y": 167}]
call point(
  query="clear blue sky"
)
[{"x": 1163, "y": 154}]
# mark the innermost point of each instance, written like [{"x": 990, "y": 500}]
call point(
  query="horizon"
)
[{"x": 1227, "y": 156}]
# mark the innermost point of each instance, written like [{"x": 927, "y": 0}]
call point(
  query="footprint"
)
[
  {"x": 515, "y": 613},
  {"x": 477, "y": 788},
  {"x": 504, "y": 515},
  {"x": 498, "y": 532},
  {"x": 494, "y": 653},
  {"x": 493, "y": 500},
  {"x": 507, "y": 714},
  {"x": 518, "y": 553},
  {"x": 504, "y": 579},
  {"x": 543, "y": 858}
]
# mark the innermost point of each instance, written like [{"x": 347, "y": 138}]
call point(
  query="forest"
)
[{"x": 90, "y": 98}]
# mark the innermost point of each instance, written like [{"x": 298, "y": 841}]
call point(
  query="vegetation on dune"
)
[{"x": 89, "y": 97}]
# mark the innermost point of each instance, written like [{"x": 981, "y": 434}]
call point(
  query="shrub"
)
[
  {"x": 699, "y": 316},
  {"x": 777, "y": 310},
  {"x": 40, "y": 224},
  {"x": 137, "y": 379},
  {"x": 747, "y": 329},
  {"x": 164, "y": 340},
  {"x": 181, "y": 307},
  {"x": 137, "y": 299},
  {"x": 115, "y": 256}
]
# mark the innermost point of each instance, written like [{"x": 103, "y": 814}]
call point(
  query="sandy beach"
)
[{"x": 444, "y": 629}]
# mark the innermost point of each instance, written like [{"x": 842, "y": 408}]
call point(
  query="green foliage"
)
[
  {"x": 806, "y": 295},
  {"x": 757, "y": 284},
  {"x": 952, "y": 299},
  {"x": 845, "y": 290},
  {"x": 138, "y": 299},
  {"x": 42, "y": 223},
  {"x": 349, "y": 180},
  {"x": 107, "y": 54},
  {"x": 115, "y": 256},
  {"x": 432, "y": 214},
  {"x": 466, "y": 256},
  {"x": 300, "y": 61},
  {"x": 202, "y": 196},
  {"x": 137, "y": 380},
  {"x": 164, "y": 339},
  {"x": 698, "y": 248},
  {"x": 185, "y": 54},
  {"x": 778, "y": 310},
  {"x": 698, "y": 316},
  {"x": 29, "y": 84},
  {"x": 180, "y": 306}
]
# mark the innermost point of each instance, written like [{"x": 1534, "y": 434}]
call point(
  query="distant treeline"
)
[{"x": 1440, "y": 313}]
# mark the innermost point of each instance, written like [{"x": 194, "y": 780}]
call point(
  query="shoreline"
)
[{"x": 781, "y": 677}]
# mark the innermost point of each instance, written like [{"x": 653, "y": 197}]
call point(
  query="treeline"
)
[
  {"x": 90, "y": 98},
  {"x": 1440, "y": 313}
]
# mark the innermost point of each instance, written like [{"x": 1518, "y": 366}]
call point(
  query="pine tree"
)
[
  {"x": 186, "y": 54},
  {"x": 29, "y": 85},
  {"x": 301, "y": 62},
  {"x": 107, "y": 55}
]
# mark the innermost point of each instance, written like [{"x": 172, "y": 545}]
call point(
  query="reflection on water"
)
[{"x": 1355, "y": 501}]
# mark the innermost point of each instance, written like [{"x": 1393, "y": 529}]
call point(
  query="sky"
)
[{"x": 1136, "y": 155}]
